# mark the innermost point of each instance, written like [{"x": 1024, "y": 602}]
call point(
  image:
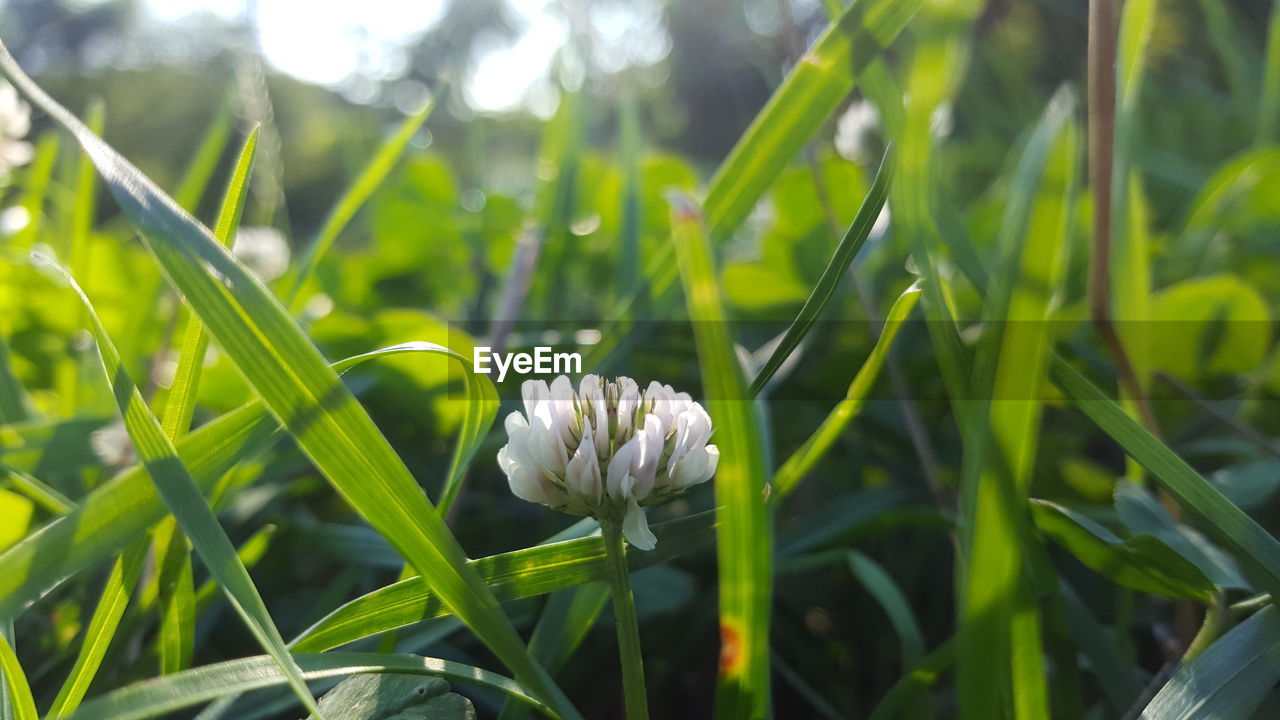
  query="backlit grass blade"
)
[
  {"x": 161, "y": 696},
  {"x": 175, "y": 584},
  {"x": 355, "y": 196},
  {"x": 832, "y": 274},
  {"x": 999, "y": 617},
  {"x": 817, "y": 84},
  {"x": 1228, "y": 680},
  {"x": 186, "y": 502},
  {"x": 517, "y": 574},
  {"x": 798, "y": 465},
  {"x": 101, "y": 630},
  {"x": 39, "y": 492},
  {"x": 18, "y": 692},
  {"x": 205, "y": 160},
  {"x": 744, "y": 547},
  {"x": 250, "y": 552},
  {"x": 300, "y": 388},
  {"x": 76, "y": 254},
  {"x": 122, "y": 509}
]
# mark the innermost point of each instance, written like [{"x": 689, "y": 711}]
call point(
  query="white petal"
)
[
  {"x": 636, "y": 528},
  {"x": 620, "y": 468},
  {"x": 582, "y": 475},
  {"x": 649, "y": 454}
]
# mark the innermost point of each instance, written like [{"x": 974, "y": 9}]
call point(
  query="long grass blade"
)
[
  {"x": 158, "y": 697},
  {"x": 101, "y": 630},
  {"x": 832, "y": 274},
  {"x": 798, "y": 465},
  {"x": 356, "y": 195},
  {"x": 183, "y": 497},
  {"x": 745, "y": 537},
  {"x": 290, "y": 374},
  {"x": 1269, "y": 109},
  {"x": 521, "y": 573},
  {"x": 22, "y": 705}
]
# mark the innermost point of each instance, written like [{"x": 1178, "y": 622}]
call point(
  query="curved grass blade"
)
[
  {"x": 18, "y": 692},
  {"x": 121, "y": 510},
  {"x": 744, "y": 549},
  {"x": 355, "y": 196},
  {"x": 185, "y": 500},
  {"x": 102, "y": 628},
  {"x": 159, "y": 696},
  {"x": 817, "y": 84},
  {"x": 291, "y": 376},
  {"x": 833, "y": 273},
  {"x": 205, "y": 160},
  {"x": 918, "y": 681},
  {"x": 1229, "y": 679},
  {"x": 881, "y": 586},
  {"x": 250, "y": 553},
  {"x": 798, "y": 465},
  {"x": 39, "y": 492},
  {"x": 521, "y": 573}
]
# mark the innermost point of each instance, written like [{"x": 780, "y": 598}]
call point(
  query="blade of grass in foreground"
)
[
  {"x": 292, "y": 377},
  {"x": 183, "y": 497},
  {"x": 121, "y": 510},
  {"x": 161, "y": 696},
  {"x": 834, "y": 272},
  {"x": 744, "y": 548},
  {"x": 1230, "y": 679},
  {"x": 22, "y": 705},
  {"x": 815, "y": 448},
  {"x": 345, "y": 209},
  {"x": 174, "y": 581},
  {"x": 521, "y": 573}
]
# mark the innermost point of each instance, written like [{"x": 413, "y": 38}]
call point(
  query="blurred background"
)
[{"x": 549, "y": 109}]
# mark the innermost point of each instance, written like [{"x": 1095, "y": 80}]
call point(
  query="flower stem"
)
[{"x": 624, "y": 611}]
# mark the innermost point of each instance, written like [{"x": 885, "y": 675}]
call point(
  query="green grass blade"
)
[
  {"x": 917, "y": 682},
  {"x": 77, "y": 254},
  {"x": 158, "y": 697},
  {"x": 1227, "y": 524},
  {"x": 185, "y": 500},
  {"x": 999, "y": 617},
  {"x": 521, "y": 573},
  {"x": 21, "y": 704},
  {"x": 832, "y": 274},
  {"x": 37, "y": 186},
  {"x": 101, "y": 630},
  {"x": 290, "y": 374},
  {"x": 205, "y": 161},
  {"x": 1120, "y": 679},
  {"x": 817, "y": 84},
  {"x": 250, "y": 553},
  {"x": 744, "y": 549},
  {"x": 39, "y": 492},
  {"x": 1228, "y": 680},
  {"x": 356, "y": 195},
  {"x": 881, "y": 586},
  {"x": 798, "y": 465},
  {"x": 122, "y": 509}
]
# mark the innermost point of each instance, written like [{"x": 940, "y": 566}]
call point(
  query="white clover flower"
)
[
  {"x": 15, "y": 123},
  {"x": 607, "y": 449}
]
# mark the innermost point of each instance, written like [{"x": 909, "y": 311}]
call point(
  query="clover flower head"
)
[{"x": 607, "y": 448}]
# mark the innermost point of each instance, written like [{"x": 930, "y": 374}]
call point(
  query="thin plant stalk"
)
[{"x": 624, "y": 611}]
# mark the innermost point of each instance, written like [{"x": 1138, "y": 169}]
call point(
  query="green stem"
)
[{"x": 624, "y": 611}]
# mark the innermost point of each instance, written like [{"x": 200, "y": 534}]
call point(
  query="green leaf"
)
[
  {"x": 15, "y": 517},
  {"x": 1142, "y": 562},
  {"x": 999, "y": 617},
  {"x": 822, "y": 78},
  {"x": 290, "y": 374},
  {"x": 19, "y": 692},
  {"x": 185, "y": 500},
  {"x": 159, "y": 696},
  {"x": 1269, "y": 109},
  {"x": 1252, "y": 546},
  {"x": 744, "y": 548},
  {"x": 517, "y": 574},
  {"x": 1208, "y": 325},
  {"x": 798, "y": 465},
  {"x": 102, "y": 628},
  {"x": 1229, "y": 679},
  {"x": 832, "y": 274},
  {"x": 886, "y": 592}
]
